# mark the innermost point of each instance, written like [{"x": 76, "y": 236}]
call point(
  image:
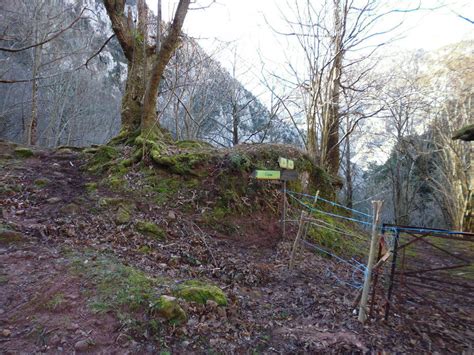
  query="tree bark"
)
[
  {"x": 349, "y": 185},
  {"x": 146, "y": 64},
  {"x": 167, "y": 49},
  {"x": 332, "y": 154}
]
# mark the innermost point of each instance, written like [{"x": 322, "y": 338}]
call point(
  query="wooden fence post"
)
[
  {"x": 283, "y": 211},
  {"x": 297, "y": 239},
  {"x": 377, "y": 206}
]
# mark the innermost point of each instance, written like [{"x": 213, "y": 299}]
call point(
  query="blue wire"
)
[
  {"x": 421, "y": 230},
  {"x": 331, "y": 203},
  {"x": 359, "y": 267},
  {"x": 355, "y": 268},
  {"x": 326, "y": 213}
]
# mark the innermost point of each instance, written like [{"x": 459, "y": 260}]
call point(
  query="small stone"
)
[
  {"x": 73, "y": 326},
  {"x": 54, "y": 340},
  {"x": 171, "y": 215},
  {"x": 221, "y": 312},
  {"x": 54, "y": 200},
  {"x": 168, "y": 308},
  {"x": 82, "y": 345},
  {"x": 6, "y": 332},
  {"x": 151, "y": 229},
  {"x": 70, "y": 208},
  {"x": 123, "y": 216},
  {"x": 20, "y": 212},
  {"x": 2, "y": 311},
  {"x": 211, "y": 304},
  {"x": 185, "y": 344}
]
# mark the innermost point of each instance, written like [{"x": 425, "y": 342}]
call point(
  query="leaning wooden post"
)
[
  {"x": 297, "y": 239},
  {"x": 283, "y": 212},
  {"x": 377, "y": 206}
]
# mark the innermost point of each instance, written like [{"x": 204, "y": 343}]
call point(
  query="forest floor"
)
[{"x": 50, "y": 275}]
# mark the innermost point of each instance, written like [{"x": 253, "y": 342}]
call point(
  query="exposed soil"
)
[{"x": 44, "y": 306}]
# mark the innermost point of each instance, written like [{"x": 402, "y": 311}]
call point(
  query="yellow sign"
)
[
  {"x": 267, "y": 174},
  {"x": 285, "y": 163}
]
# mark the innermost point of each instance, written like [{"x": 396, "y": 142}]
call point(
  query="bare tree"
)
[{"x": 333, "y": 36}]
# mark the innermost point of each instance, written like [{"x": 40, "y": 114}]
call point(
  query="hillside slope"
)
[{"x": 188, "y": 257}]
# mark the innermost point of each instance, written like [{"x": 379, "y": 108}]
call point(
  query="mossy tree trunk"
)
[{"x": 146, "y": 65}]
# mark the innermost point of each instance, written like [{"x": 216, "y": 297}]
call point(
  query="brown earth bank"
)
[{"x": 83, "y": 261}]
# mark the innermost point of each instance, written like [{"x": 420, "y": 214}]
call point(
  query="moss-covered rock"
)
[
  {"x": 41, "y": 182},
  {"x": 23, "y": 152},
  {"x": 151, "y": 229},
  {"x": 116, "y": 182},
  {"x": 9, "y": 236},
  {"x": 200, "y": 292},
  {"x": 110, "y": 201},
  {"x": 91, "y": 186},
  {"x": 168, "y": 308},
  {"x": 70, "y": 208},
  {"x": 123, "y": 215}
]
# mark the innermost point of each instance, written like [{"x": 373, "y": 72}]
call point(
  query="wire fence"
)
[
  {"x": 311, "y": 206},
  {"x": 355, "y": 270}
]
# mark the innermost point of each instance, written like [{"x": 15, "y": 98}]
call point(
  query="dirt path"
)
[{"x": 45, "y": 307}]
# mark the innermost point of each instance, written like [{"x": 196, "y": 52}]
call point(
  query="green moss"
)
[
  {"x": 182, "y": 164},
  {"x": 168, "y": 308},
  {"x": 55, "y": 302},
  {"x": 41, "y": 182},
  {"x": 111, "y": 201},
  {"x": 103, "y": 158},
  {"x": 144, "y": 249},
  {"x": 122, "y": 216},
  {"x": 191, "y": 144},
  {"x": 152, "y": 229},
  {"x": 117, "y": 285},
  {"x": 240, "y": 162},
  {"x": 9, "y": 236},
  {"x": 200, "y": 292},
  {"x": 91, "y": 186},
  {"x": 23, "y": 152},
  {"x": 116, "y": 182},
  {"x": 163, "y": 187}
]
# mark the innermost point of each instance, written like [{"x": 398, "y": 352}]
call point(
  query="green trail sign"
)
[
  {"x": 266, "y": 174},
  {"x": 285, "y": 175}
]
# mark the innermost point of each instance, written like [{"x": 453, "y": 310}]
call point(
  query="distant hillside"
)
[{"x": 199, "y": 99}]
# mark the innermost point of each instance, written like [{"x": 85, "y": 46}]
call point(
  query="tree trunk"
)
[
  {"x": 132, "y": 106},
  {"x": 235, "y": 124},
  {"x": 332, "y": 154},
  {"x": 164, "y": 55},
  {"x": 312, "y": 140},
  {"x": 349, "y": 186},
  {"x": 146, "y": 65},
  {"x": 32, "y": 131}
]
